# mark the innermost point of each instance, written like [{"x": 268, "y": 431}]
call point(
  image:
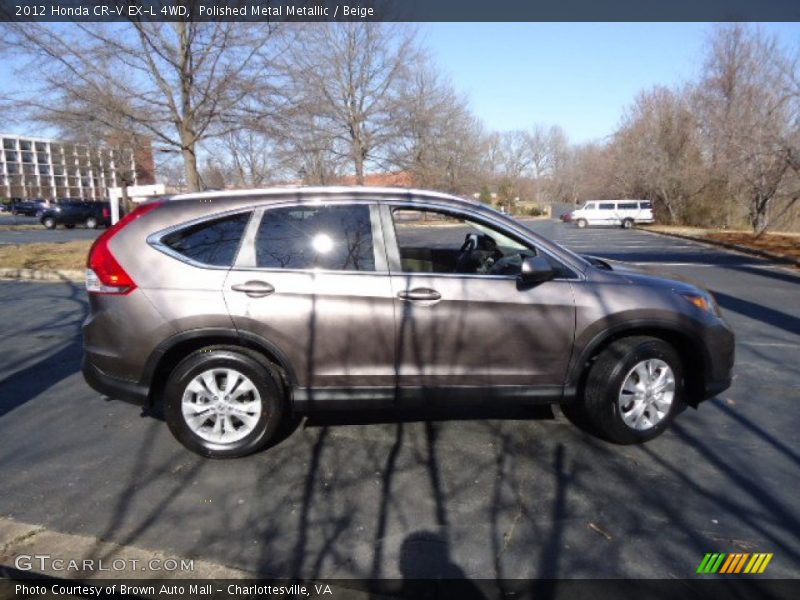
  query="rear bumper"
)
[{"x": 120, "y": 389}]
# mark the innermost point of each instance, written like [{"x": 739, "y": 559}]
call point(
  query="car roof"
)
[{"x": 358, "y": 190}]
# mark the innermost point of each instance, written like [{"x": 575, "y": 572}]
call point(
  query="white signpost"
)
[{"x": 136, "y": 193}]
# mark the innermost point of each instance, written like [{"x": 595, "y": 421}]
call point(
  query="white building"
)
[{"x": 50, "y": 169}]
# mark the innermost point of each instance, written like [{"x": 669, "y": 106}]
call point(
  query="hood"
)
[{"x": 650, "y": 276}]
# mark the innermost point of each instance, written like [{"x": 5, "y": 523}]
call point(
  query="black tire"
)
[
  {"x": 49, "y": 222},
  {"x": 266, "y": 380},
  {"x": 581, "y": 223},
  {"x": 627, "y": 223},
  {"x": 91, "y": 223},
  {"x": 600, "y": 412}
]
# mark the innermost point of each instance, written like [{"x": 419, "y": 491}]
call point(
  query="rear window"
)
[
  {"x": 646, "y": 204},
  {"x": 628, "y": 205},
  {"x": 212, "y": 243},
  {"x": 606, "y": 206},
  {"x": 316, "y": 237}
]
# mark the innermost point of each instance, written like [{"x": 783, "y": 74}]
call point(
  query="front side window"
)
[
  {"x": 589, "y": 206},
  {"x": 332, "y": 237},
  {"x": 438, "y": 242},
  {"x": 212, "y": 243}
]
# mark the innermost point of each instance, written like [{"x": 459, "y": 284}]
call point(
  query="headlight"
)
[{"x": 702, "y": 300}]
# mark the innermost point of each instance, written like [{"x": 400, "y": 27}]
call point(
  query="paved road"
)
[
  {"x": 40, "y": 234},
  {"x": 517, "y": 495}
]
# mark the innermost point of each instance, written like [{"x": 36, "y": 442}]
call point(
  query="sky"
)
[{"x": 580, "y": 76}]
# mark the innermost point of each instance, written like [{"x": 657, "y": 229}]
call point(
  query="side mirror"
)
[{"x": 535, "y": 269}]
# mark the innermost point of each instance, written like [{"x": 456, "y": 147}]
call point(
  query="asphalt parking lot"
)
[
  {"x": 39, "y": 234},
  {"x": 522, "y": 494}
]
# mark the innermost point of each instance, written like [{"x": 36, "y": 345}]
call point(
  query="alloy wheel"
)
[{"x": 647, "y": 393}]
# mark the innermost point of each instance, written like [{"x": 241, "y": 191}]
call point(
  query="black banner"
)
[
  {"x": 399, "y": 10},
  {"x": 25, "y": 586}
]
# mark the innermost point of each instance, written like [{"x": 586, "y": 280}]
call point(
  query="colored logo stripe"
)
[{"x": 723, "y": 563}]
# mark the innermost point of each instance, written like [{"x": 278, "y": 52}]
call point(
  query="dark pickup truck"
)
[
  {"x": 69, "y": 214},
  {"x": 28, "y": 208}
]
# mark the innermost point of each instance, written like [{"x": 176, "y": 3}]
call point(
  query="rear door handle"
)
[
  {"x": 254, "y": 289},
  {"x": 419, "y": 294}
]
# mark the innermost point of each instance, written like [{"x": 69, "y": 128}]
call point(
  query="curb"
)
[
  {"x": 779, "y": 258},
  {"x": 72, "y": 275},
  {"x": 95, "y": 558}
]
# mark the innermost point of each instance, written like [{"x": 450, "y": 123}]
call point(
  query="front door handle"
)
[
  {"x": 254, "y": 289},
  {"x": 419, "y": 294}
]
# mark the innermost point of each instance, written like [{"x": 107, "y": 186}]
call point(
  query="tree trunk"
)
[
  {"x": 190, "y": 168},
  {"x": 758, "y": 217}
]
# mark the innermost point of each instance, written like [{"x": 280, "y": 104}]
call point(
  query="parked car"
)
[
  {"x": 236, "y": 309},
  {"x": 624, "y": 213},
  {"x": 71, "y": 213},
  {"x": 28, "y": 208}
]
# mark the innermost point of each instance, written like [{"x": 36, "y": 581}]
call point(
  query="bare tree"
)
[
  {"x": 658, "y": 152},
  {"x": 346, "y": 80},
  {"x": 439, "y": 142},
  {"x": 745, "y": 105},
  {"x": 178, "y": 83}
]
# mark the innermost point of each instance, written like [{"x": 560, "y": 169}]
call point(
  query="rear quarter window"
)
[{"x": 213, "y": 243}]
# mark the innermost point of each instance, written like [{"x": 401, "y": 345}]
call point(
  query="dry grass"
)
[
  {"x": 24, "y": 227},
  {"x": 56, "y": 255},
  {"x": 784, "y": 244}
]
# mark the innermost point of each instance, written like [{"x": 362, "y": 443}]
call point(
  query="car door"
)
[
  {"x": 458, "y": 328},
  {"x": 311, "y": 280}
]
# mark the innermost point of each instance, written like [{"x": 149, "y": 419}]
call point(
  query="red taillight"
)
[
  {"x": 106, "y": 213},
  {"x": 104, "y": 275}
]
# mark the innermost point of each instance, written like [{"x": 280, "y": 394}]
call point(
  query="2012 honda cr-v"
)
[{"x": 235, "y": 309}]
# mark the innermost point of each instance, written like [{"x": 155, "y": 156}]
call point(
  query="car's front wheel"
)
[
  {"x": 224, "y": 403},
  {"x": 581, "y": 223},
  {"x": 633, "y": 391}
]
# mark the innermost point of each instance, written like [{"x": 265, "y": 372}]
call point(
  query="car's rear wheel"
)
[
  {"x": 633, "y": 391},
  {"x": 91, "y": 223},
  {"x": 49, "y": 222},
  {"x": 224, "y": 403},
  {"x": 627, "y": 223},
  {"x": 581, "y": 223}
]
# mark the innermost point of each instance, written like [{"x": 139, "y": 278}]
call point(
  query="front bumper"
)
[
  {"x": 120, "y": 389},
  {"x": 720, "y": 344}
]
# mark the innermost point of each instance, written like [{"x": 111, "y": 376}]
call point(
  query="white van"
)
[{"x": 624, "y": 213}]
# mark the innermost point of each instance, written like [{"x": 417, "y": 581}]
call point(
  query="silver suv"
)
[{"x": 236, "y": 309}]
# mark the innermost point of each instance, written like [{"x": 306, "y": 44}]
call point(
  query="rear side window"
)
[
  {"x": 212, "y": 243},
  {"x": 646, "y": 204},
  {"x": 628, "y": 205},
  {"x": 337, "y": 238},
  {"x": 606, "y": 206}
]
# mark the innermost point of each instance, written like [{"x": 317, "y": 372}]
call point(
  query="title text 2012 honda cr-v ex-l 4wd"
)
[{"x": 235, "y": 309}]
